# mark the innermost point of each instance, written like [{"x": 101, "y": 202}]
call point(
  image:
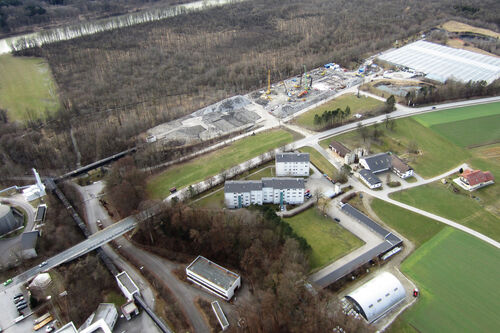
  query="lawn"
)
[
  {"x": 437, "y": 155},
  {"x": 360, "y": 105},
  {"x": 417, "y": 228},
  {"x": 451, "y": 115},
  {"x": 196, "y": 170},
  {"x": 26, "y": 84},
  {"x": 439, "y": 199},
  {"x": 454, "y": 26},
  {"x": 458, "y": 278},
  {"x": 328, "y": 240},
  {"x": 320, "y": 162}
]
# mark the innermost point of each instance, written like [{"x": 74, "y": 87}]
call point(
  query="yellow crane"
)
[{"x": 268, "y": 82}]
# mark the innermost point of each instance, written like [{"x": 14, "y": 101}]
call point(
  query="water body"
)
[{"x": 17, "y": 43}]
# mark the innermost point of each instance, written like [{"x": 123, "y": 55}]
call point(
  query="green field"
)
[
  {"x": 320, "y": 162},
  {"x": 439, "y": 199},
  {"x": 458, "y": 278},
  {"x": 417, "y": 228},
  {"x": 471, "y": 132},
  {"x": 26, "y": 85},
  {"x": 451, "y": 115},
  {"x": 328, "y": 240},
  {"x": 360, "y": 105},
  {"x": 196, "y": 170}
]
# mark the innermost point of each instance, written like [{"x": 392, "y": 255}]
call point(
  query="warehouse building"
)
[
  {"x": 280, "y": 191},
  {"x": 213, "y": 278},
  {"x": 292, "y": 164},
  {"x": 441, "y": 63},
  {"x": 377, "y": 297}
]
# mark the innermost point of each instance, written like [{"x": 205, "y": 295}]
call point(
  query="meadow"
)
[
  {"x": 457, "y": 275},
  {"x": 27, "y": 88},
  {"x": 320, "y": 162},
  {"x": 196, "y": 170},
  {"x": 328, "y": 240}
]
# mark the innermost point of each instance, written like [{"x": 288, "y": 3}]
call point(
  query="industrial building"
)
[
  {"x": 280, "y": 191},
  {"x": 377, "y": 297},
  {"x": 104, "y": 317},
  {"x": 292, "y": 164},
  {"x": 10, "y": 219},
  {"x": 213, "y": 278},
  {"x": 28, "y": 244},
  {"x": 127, "y": 286},
  {"x": 441, "y": 63}
]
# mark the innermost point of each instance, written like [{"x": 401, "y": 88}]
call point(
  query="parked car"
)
[
  {"x": 18, "y": 295},
  {"x": 337, "y": 219},
  {"x": 18, "y": 300}
]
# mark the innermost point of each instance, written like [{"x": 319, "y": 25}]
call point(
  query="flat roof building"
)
[
  {"x": 127, "y": 286},
  {"x": 106, "y": 312},
  {"x": 378, "y": 296},
  {"x": 213, "y": 278}
]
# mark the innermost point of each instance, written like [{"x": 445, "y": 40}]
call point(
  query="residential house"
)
[{"x": 292, "y": 164}]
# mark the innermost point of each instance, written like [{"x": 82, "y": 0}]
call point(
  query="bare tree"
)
[{"x": 317, "y": 195}]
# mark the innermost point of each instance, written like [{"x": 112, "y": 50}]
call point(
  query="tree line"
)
[{"x": 261, "y": 247}]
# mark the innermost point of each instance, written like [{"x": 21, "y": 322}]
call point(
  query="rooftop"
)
[
  {"x": 399, "y": 165},
  {"x": 441, "y": 63},
  {"x": 339, "y": 148},
  {"x": 214, "y": 273},
  {"x": 127, "y": 282},
  {"x": 242, "y": 186},
  {"x": 28, "y": 239},
  {"x": 283, "y": 183},
  {"x": 369, "y": 177},
  {"x": 292, "y": 157},
  {"x": 378, "y": 162},
  {"x": 68, "y": 328},
  {"x": 475, "y": 177}
]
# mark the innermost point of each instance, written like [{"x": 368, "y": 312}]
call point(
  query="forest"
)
[
  {"x": 115, "y": 85},
  {"x": 21, "y": 16},
  {"x": 261, "y": 247}
]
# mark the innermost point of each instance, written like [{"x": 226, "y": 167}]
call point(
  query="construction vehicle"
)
[
  {"x": 288, "y": 93},
  {"x": 43, "y": 323}
]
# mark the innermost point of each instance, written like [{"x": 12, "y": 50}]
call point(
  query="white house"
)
[
  {"x": 214, "y": 278},
  {"x": 239, "y": 194},
  {"x": 242, "y": 193},
  {"x": 400, "y": 168},
  {"x": 369, "y": 179},
  {"x": 377, "y": 163},
  {"x": 292, "y": 164}
]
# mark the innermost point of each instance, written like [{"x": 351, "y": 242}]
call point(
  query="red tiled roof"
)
[{"x": 475, "y": 177}]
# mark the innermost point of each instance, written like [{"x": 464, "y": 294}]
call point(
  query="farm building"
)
[
  {"x": 214, "y": 278},
  {"x": 377, "y": 163},
  {"x": 369, "y": 179},
  {"x": 292, "y": 164},
  {"x": 242, "y": 193},
  {"x": 441, "y": 63},
  {"x": 400, "y": 168},
  {"x": 338, "y": 148},
  {"x": 474, "y": 179},
  {"x": 378, "y": 296}
]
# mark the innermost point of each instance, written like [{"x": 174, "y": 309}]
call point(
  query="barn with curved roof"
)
[{"x": 378, "y": 296}]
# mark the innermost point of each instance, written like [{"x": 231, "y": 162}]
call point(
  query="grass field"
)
[
  {"x": 26, "y": 84},
  {"x": 454, "y": 26},
  {"x": 320, "y": 162},
  {"x": 417, "y": 228},
  {"x": 458, "y": 278},
  {"x": 328, "y": 240},
  {"x": 451, "y": 115},
  {"x": 459, "y": 207},
  {"x": 184, "y": 174},
  {"x": 360, "y": 105}
]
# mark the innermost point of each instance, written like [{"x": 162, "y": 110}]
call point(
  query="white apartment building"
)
[
  {"x": 213, "y": 278},
  {"x": 242, "y": 193},
  {"x": 292, "y": 164}
]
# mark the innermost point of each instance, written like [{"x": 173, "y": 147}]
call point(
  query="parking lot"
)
[{"x": 10, "y": 312}]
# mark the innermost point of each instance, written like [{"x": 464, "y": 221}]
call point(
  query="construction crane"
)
[{"x": 268, "y": 82}]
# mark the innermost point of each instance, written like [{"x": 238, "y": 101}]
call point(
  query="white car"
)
[{"x": 42, "y": 264}]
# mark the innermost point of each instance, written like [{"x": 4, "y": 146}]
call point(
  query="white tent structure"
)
[{"x": 378, "y": 296}]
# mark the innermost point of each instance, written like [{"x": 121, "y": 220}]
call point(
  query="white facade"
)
[
  {"x": 403, "y": 175},
  {"x": 127, "y": 285},
  {"x": 378, "y": 296},
  {"x": 239, "y": 194},
  {"x": 213, "y": 278},
  {"x": 292, "y": 164}
]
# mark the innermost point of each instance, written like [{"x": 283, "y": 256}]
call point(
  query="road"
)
[{"x": 184, "y": 293}]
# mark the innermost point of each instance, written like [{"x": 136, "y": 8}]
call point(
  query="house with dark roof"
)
[
  {"x": 377, "y": 163},
  {"x": 400, "y": 168},
  {"x": 474, "y": 179},
  {"x": 369, "y": 179},
  {"x": 292, "y": 164},
  {"x": 338, "y": 148}
]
